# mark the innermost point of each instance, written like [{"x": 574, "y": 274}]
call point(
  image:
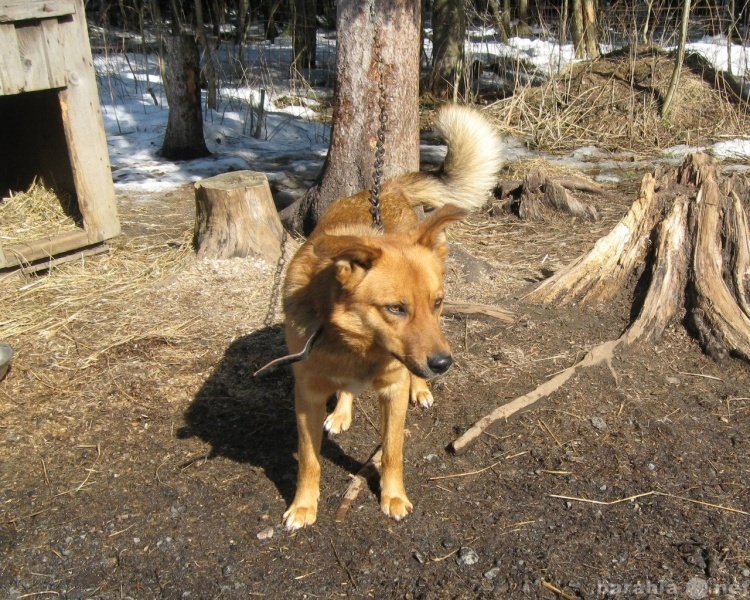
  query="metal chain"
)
[
  {"x": 377, "y": 177},
  {"x": 276, "y": 289}
]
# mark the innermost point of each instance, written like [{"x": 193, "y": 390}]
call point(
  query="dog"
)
[{"x": 364, "y": 305}]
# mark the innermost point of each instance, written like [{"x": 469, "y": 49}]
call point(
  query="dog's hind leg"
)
[
  {"x": 394, "y": 402},
  {"x": 310, "y": 407},
  {"x": 341, "y": 417},
  {"x": 419, "y": 393}
]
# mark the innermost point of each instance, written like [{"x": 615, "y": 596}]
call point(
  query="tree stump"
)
[
  {"x": 537, "y": 193},
  {"x": 687, "y": 233},
  {"x": 688, "y": 228},
  {"x": 235, "y": 216}
]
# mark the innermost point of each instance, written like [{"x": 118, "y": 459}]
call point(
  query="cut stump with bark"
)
[
  {"x": 235, "y": 216},
  {"x": 687, "y": 233}
]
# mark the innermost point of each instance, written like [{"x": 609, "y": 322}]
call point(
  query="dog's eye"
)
[
  {"x": 397, "y": 309},
  {"x": 438, "y": 303}
]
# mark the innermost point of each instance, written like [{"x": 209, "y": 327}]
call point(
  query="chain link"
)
[
  {"x": 276, "y": 289},
  {"x": 377, "y": 177}
]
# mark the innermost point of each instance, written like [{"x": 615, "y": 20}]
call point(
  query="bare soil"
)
[{"x": 140, "y": 458}]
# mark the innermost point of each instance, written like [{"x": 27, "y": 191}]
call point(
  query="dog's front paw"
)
[
  {"x": 298, "y": 516},
  {"x": 396, "y": 507},
  {"x": 338, "y": 421},
  {"x": 422, "y": 398}
]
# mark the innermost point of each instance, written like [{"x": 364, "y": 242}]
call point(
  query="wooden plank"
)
[
  {"x": 11, "y": 69},
  {"x": 61, "y": 260},
  {"x": 21, "y": 10},
  {"x": 29, "y": 252},
  {"x": 33, "y": 58},
  {"x": 84, "y": 131},
  {"x": 53, "y": 52}
]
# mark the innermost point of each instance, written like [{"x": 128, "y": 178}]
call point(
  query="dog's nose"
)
[{"x": 440, "y": 363}]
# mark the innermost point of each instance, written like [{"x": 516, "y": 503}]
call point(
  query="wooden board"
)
[
  {"x": 27, "y": 253},
  {"x": 22, "y": 10},
  {"x": 11, "y": 70},
  {"x": 84, "y": 131},
  {"x": 31, "y": 57}
]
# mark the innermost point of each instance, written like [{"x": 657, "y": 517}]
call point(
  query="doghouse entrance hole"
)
[{"x": 34, "y": 147}]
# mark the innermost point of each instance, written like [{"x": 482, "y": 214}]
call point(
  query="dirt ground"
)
[{"x": 140, "y": 459}]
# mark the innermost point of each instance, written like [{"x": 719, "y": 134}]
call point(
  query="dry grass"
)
[
  {"x": 518, "y": 169},
  {"x": 147, "y": 299},
  {"x": 614, "y": 103},
  {"x": 34, "y": 214}
]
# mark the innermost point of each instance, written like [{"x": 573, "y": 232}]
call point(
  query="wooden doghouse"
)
[{"x": 50, "y": 122}]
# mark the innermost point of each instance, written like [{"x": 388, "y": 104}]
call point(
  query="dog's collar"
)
[{"x": 290, "y": 358}]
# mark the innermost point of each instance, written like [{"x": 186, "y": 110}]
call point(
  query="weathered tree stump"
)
[
  {"x": 688, "y": 233},
  {"x": 689, "y": 228},
  {"x": 537, "y": 193},
  {"x": 235, "y": 216}
]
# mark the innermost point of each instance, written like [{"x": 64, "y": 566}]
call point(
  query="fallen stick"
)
[
  {"x": 371, "y": 467},
  {"x": 601, "y": 353},
  {"x": 470, "y": 308}
]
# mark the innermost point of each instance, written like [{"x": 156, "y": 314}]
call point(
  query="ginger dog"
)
[{"x": 374, "y": 299}]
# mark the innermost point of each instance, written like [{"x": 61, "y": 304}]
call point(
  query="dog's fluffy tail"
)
[{"x": 470, "y": 170}]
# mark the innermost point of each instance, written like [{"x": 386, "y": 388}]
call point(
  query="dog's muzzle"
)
[
  {"x": 437, "y": 364},
  {"x": 440, "y": 363}
]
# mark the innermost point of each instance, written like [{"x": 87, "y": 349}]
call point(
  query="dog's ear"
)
[
  {"x": 349, "y": 253},
  {"x": 431, "y": 231}
]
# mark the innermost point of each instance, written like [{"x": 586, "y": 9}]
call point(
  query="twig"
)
[
  {"x": 438, "y": 477},
  {"x": 358, "y": 482},
  {"x": 652, "y": 493},
  {"x": 700, "y": 375},
  {"x": 343, "y": 566},
  {"x": 470, "y": 308},
  {"x": 558, "y": 591},
  {"x": 554, "y": 437}
]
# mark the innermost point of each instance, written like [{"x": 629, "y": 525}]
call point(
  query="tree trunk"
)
[
  {"x": 577, "y": 27},
  {"x": 523, "y": 11},
  {"x": 351, "y": 155},
  {"x": 501, "y": 20},
  {"x": 235, "y": 217},
  {"x": 176, "y": 22},
  {"x": 591, "y": 31},
  {"x": 208, "y": 60},
  {"x": 678, "y": 60},
  {"x": 448, "y": 33},
  {"x": 304, "y": 28},
  {"x": 564, "y": 12},
  {"x": 183, "y": 139}
]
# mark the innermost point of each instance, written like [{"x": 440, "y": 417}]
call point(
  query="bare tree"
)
[
  {"x": 448, "y": 33},
  {"x": 304, "y": 27},
  {"x": 584, "y": 28},
  {"x": 208, "y": 60},
  {"x": 184, "y": 136},
  {"x": 378, "y": 41},
  {"x": 678, "y": 60}
]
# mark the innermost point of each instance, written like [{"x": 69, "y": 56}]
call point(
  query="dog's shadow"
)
[{"x": 251, "y": 419}]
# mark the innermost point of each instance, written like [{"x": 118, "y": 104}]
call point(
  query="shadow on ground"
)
[{"x": 251, "y": 419}]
